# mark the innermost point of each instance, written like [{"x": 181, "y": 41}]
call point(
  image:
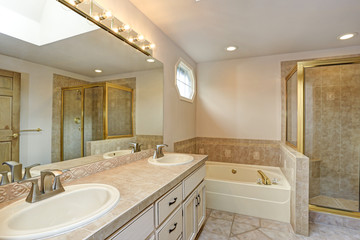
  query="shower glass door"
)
[
  {"x": 72, "y": 124},
  {"x": 332, "y": 134}
]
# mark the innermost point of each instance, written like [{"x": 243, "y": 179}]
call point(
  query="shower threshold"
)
[{"x": 336, "y": 203}]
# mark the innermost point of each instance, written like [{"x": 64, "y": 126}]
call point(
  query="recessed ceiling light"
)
[
  {"x": 231, "y": 48},
  {"x": 150, "y": 60},
  {"x": 347, "y": 36},
  {"x": 98, "y": 70}
]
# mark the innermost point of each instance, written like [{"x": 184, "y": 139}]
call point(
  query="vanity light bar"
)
[{"x": 93, "y": 12}]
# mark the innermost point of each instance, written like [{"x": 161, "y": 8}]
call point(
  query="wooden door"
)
[{"x": 9, "y": 117}]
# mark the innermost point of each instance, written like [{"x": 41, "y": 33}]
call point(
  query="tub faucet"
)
[
  {"x": 159, "y": 151},
  {"x": 47, "y": 188},
  {"x": 15, "y": 170},
  {"x": 135, "y": 147},
  {"x": 265, "y": 180}
]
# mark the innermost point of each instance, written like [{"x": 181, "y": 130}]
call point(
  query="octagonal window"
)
[{"x": 185, "y": 81}]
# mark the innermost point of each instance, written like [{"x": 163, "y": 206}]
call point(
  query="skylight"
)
[{"x": 49, "y": 23}]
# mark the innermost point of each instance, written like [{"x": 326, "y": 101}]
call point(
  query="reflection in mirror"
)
[
  {"x": 60, "y": 50},
  {"x": 291, "y": 108}
]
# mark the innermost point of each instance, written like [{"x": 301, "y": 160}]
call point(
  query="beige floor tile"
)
[
  {"x": 275, "y": 225},
  {"x": 218, "y": 226},
  {"x": 277, "y": 235},
  {"x": 238, "y": 228},
  {"x": 247, "y": 219},
  {"x": 252, "y": 235},
  {"x": 222, "y": 215},
  {"x": 205, "y": 235}
]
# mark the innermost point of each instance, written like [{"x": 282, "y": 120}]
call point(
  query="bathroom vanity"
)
[{"x": 156, "y": 202}]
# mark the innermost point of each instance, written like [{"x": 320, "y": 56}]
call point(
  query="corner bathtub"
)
[{"x": 239, "y": 192}]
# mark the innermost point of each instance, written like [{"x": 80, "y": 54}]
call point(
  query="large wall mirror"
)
[{"x": 63, "y": 59}]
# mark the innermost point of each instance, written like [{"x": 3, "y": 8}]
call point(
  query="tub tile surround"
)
[
  {"x": 243, "y": 151},
  {"x": 296, "y": 170},
  {"x": 138, "y": 182},
  {"x": 221, "y": 225}
]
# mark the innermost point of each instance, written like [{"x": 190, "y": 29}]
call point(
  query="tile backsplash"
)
[{"x": 245, "y": 151}]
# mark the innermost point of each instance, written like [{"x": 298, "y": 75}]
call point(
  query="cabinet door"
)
[
  {"x": 189, "y": 224},
  {"x": 201, "y": 206}
]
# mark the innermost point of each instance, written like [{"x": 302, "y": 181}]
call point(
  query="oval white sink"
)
[
  {"x": 171, "y": 159},
  {"x": 116, "y": 153},
  {"x": 77, "y": 206}
]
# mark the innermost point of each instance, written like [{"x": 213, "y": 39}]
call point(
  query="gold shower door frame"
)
[
  {"x": 82, "y": 88},
  {"x": 301, "y": 66}
]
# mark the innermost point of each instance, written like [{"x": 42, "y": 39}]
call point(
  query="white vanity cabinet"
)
[
  {"x": 194, "y": 212},
  {"x": 177, "y": 215},
  {"x": 137, "y": 229}
]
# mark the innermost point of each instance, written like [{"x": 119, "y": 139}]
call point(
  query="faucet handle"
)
[
  {"x": 4, "y": 178},
  {"x": 27, "y": 173},
  {"x": 34, "y": 191}
]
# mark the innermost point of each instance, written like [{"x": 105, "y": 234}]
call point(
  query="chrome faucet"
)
[
  {"x": 265, "y": 180},
  {"x": 135, "y": 147},
  {"x": 47, "y": 188},
  {"x": 16, "y": 171},
  {"x": 159, "y": 151}
]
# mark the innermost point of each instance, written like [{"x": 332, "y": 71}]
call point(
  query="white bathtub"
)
[{"x": 239, "y": 192}]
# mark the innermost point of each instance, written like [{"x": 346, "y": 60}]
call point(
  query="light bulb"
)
[
  {"x": 126, "y": 27},
  {"x": 140, "y": 37},
  {"x": 152, "y": 45},
  {"x": 150, "y": 60},
  {"x": 231, "y": 48},
  {"x": 108, "y": 14},
  {"x": 131, "y": 39},
  {"x": 115, "y": 29},
  {"x": 96, "y": 17},
  {"x": 347, "y": 36}
]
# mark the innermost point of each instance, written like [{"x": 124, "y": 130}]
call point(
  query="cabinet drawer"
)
[
  {"x": 193, "y": 180},
  {"x": 171, "y": 229},
  {"x": 139, "y": 228},
  {"x": 167, "y": 204}
]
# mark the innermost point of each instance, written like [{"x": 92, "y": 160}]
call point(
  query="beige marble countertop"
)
[{"x": 140, "y": 184}]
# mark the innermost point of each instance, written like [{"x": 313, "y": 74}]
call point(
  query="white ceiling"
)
[{"x": 258, "y": 27}]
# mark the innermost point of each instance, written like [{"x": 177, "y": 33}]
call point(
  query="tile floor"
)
[
  {"x": 221, "y": 225},
  {"x": 332, "y": 202}
]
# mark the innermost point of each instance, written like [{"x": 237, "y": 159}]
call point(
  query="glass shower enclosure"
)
[
  {"x": 327, "y": 95},
  {"x": 94, "y": 112}
]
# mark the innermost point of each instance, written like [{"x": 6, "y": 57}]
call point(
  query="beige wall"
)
[{"x": 242, "y": 98}]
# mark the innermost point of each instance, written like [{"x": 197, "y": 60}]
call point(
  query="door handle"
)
[{"x": 15, "y": 135}]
